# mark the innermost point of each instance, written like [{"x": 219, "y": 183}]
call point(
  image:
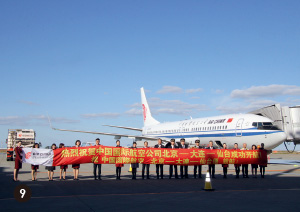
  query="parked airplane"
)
[{"x": 229, "y": 129}]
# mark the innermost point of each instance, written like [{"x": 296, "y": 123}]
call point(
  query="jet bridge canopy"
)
[{"x": 286, "y": 118}]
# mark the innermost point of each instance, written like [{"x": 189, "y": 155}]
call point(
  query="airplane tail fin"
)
[{"x": 148, "y": 119}]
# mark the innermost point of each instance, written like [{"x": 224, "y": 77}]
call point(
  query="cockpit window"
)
[{"x": 265, "y": 126}]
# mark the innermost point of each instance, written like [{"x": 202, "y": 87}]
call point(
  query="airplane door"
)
[{"x": 238, "y": 128}]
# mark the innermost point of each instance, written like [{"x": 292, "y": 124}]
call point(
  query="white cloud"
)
[
  {"x": 170, "y": 89},
  {"x": 33, "y": 120},
  {"x": 159, "y": 106},
  {"x": 134, "y": 112},
  {"x": 174, "y": 89},
  {"x": 266, "y": 91},
  {"x": 102, "y": 115},
  {"x": 13, "y": 120},
  {"x": 218, "y": 91},
  {"x": 28, "y": 102},
  {"x": 194, "y": 90},
  {"x": 244, "y": 107}
]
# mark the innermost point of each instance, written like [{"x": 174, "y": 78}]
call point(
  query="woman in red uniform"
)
[
  {"x": 225, "y": 166},
  {"x": 34, "y": 168},
  {"x": 118, "y": 166},
  {"x": 51, "y": 168},
  {"x": 76, "y": 166},
  {"x": 262, "y": 167},
  {"x": 18, "y": 160},
  {"x": 63, "y": 168},
  {"x": 254, "y": 166}
]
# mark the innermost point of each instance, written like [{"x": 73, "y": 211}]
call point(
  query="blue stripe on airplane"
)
[{"x": 216, "y": 134}]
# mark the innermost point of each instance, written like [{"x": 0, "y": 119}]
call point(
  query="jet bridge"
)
[{"x": 286, "y": 118}]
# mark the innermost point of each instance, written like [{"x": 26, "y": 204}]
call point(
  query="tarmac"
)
[{"x": 278, "y": 191}]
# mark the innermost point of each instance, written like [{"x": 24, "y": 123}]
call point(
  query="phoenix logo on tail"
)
[{"x": 145, "y": 112}]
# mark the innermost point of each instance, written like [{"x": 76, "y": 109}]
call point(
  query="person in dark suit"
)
[
  {"x": 118, "y": 166},
  {"x": 145, "y": 166},
  {"x": 245, "y": 166},
  {"x": 183, "y": 146},
  {"x": 199, "y": 167},
  {"x": 211, "y": 167},
  {"x": 237, "y": 166},
  {"x": 97, "y": 165},
  {"x": 18, "y": 160},
  {"x": 159, "y": 166},
  {"x": 134, "y": 166},
  {"x": 173, "y": 146}
]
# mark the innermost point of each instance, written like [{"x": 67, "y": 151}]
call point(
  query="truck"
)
[{"x": 27, "y": 136}]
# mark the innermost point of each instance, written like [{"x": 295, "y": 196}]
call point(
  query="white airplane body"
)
[{"x": 236, "y": 128}]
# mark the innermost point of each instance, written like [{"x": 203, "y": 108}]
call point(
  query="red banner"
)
[{"x": 122, "y": 155}]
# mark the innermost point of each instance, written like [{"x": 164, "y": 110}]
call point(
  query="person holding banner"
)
[
  {"x": 245, "y": 166},
  {"x": 225, "y": 166},
  {"x": 145, "y": 166},
  {"x": 159, "y": 166},
  {"x": 63, "y": 168},
  {"x": 254, "y": 166},
  {"x": 34, "y": 168},
  {"x": 211, "y": 167},
  {"x": 76, "y": 166},
  {"x": 118, "y": 166},
  {"x": 97, "y": 165},
  {"x": 199, "y": 167},
  {"x": 51, "y": 168},
  {"x": 185, "y": 167},
  {"x": 237, "y": 166},
  {"x": 172, "y": 146},
  {"x": 134, "y": 166},
  {"x": 18, "y": 160},
  {"x": 262, "y": 167}
]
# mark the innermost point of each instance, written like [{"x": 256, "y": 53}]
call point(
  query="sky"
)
[{"x": 84, "y": 62}]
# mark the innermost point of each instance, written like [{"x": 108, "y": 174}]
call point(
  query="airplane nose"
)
[
  {"x": 276, "y": 139},
  {"x": 282, "y": 136}
]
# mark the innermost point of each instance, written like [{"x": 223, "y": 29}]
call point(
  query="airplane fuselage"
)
[{"x": 237, "y": 128}]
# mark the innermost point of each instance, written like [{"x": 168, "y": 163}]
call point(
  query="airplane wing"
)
[
  {"x": 117, "y": 136},
  {"x": 127, "y": 128}
]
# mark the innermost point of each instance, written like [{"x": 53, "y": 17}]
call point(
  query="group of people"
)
[
  {"x": 50, "y": 169},
  {"x": 145, "y": 167}
]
